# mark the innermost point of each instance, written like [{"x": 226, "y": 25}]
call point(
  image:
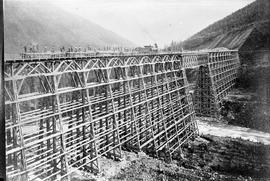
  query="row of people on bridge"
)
[{"x": 45, "y": 49}]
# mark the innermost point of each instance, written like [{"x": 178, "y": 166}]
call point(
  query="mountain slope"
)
[
  {"x": 255, "y": 15},
  {"x": 40, "y": 22}
]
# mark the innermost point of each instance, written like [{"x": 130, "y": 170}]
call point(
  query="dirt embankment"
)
[
  {"x": 206, "y": 158},
  {"x": 250, "y": 114},
  {"x": 149, "y": 169},
  {"x": 228, "y": 156}
]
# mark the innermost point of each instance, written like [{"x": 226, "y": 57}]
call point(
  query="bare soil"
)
[{"x": 206, "y": 158}]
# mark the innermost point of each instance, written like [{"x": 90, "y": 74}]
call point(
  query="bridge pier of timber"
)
[{"x": 63, "y": 113}]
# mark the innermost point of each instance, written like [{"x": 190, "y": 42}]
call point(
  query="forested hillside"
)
[
  {"x": 254, "y": 12},
  {"x": 232, "y": 31}
]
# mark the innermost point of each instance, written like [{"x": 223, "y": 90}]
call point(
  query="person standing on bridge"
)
[{"x": 25, "y": 49}]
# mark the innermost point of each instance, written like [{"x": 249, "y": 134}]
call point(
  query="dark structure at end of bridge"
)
[{"x": 62, "y": 114}]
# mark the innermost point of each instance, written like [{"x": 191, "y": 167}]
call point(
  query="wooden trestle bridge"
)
[{"x": 63, "y": 113}]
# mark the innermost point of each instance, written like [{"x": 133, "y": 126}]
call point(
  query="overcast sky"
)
[{"x": 149, "y": 21}]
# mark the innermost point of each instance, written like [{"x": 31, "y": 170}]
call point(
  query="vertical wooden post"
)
[
  {"x": 161, "y": 106},
  {"x": 92, "y": 127},
  {"x": 83, "y": 91},
  {"x": 17, "y": 119},
  {"x": 147, "y": 112},
  {"x": 125, "y": 105},
  {"x": 116, "y": 138},
  {"x": 172, "y": 110},
  {"x": 2, "y": 99},
  {"x": 133, "y": 116},
  {"x": 168, "y": 89},
  {"x": 64, "y": 160}
]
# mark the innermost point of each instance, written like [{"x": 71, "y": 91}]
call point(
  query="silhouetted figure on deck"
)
[{"x": 25, "y": 49}]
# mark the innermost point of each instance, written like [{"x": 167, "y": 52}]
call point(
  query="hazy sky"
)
[{"x": 149, "y": 21}]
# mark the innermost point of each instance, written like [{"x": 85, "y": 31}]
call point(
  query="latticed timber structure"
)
[
  {"x": 62, "y": 114},
  {"x": 215, "y": 80}
]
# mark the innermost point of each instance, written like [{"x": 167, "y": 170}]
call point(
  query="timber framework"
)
[{"x": 62, "y": 114}]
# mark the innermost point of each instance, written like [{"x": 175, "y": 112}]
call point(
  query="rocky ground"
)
[
  {"x": 208, "y": 157},
  {"x": 247, "y": 109},
  {"x": 229, "y": 156}
]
